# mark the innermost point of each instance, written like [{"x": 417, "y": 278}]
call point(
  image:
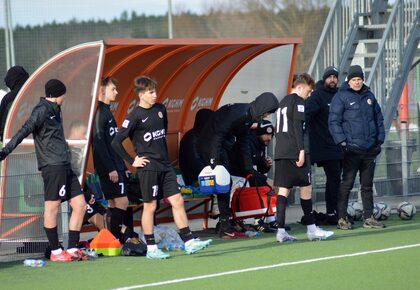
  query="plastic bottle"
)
[
  {"x": 34, "y": 263},
  {"x": 252, "y": 234}
]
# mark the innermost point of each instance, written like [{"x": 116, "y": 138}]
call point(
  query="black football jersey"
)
[
  {"x": 146, "y": 129},
  {"x": 104, "y": 130},
  {"x": 290, "y": 126}
]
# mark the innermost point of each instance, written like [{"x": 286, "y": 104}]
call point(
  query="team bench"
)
[{"x": 196, "y": 207}]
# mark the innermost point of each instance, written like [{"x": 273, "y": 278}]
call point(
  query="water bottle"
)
[
  {"x": 34, "y": 263},
  {"x": 252, "y": 234}
]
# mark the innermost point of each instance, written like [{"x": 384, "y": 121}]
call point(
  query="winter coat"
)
[
  {"x": 232, "y": 121},
  {"x": 190, "y": 160},
  {"x": 356, "y": 118},
  {"x": 16, "y": 76},
  {"x": 317, "y": 107}
]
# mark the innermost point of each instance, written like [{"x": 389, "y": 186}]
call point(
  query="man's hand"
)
[
  {"x": 301, "y": 160},
  {"x": 268, "y": 161},
  {"x": 113, "y": 176},
  {"x": 140, "y": 161}
]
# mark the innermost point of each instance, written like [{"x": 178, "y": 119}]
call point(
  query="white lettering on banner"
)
[
  {"x": 114, "y": 106},
  {"x": 131, "y": 106},
  {"x": 173, "y": 104},
  {"x": 200, "y": 102}
]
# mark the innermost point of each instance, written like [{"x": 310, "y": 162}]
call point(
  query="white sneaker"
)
[
  {"x": 284, "y": 237},
  {"x": 318, "y": 234}
]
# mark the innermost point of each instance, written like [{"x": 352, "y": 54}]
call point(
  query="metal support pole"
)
[
  {"x": 404, "y": 163},
  {"x": 11, "y": 43},
  {"x": 170, "y": 34},
  {"x": 6, "y": 33}
]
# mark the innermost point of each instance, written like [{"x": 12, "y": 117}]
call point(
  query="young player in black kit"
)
[
  {"x": 292, "y": 166},
  {"x": 54, "y": 159},
  {"x": 146, "y": 127},
  {"x": 109, "y": 166}
]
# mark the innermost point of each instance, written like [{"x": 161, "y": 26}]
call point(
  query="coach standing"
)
[
  {"x": 324, "y": 152},
  {"x": 356, "y": 123}
]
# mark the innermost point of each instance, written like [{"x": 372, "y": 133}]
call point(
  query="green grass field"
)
[{"x": 349, "y": 262}]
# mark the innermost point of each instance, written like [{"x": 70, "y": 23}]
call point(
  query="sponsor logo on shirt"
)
[
  {"x": 155, "y": 135},
  {"x": 301, "y": 108}
]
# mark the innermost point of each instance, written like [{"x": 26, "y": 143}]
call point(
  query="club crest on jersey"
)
[
  {"x": 160, "y": 114},
  {"x": 369, "y": 101}
]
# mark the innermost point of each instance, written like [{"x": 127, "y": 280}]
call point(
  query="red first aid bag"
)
[{"x": 253, "y": 202}]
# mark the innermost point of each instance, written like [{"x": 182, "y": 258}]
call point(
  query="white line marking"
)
[{"x": 267, "y": 267}]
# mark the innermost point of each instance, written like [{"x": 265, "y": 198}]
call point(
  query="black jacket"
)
[
  {"x": 104, "y": 130},
  {"x": 46, "y": 126},
  {"x": 356, "y": 118},
  {"x": 258, "y": 155},
  {"x": 317, "y": 107},
  {"x": 191, "y": 162},
  {"x": 232, "y": 122},
  {"x": 16, "y": 76}
]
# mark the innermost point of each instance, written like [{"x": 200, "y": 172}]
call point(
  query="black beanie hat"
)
[
  {"x": 264, "y": 127},
  {"x": 54, "y": 88},
  {"x": 355, "y": 71},
  {"x": 330, "y": 71}
]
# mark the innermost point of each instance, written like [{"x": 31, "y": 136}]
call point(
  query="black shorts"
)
[
  {"x": 113, "y": 190},
  {"x": 288, "y": 174},
  {"x": 60, "y": 183},
  {"x": 92, "y": 209},
  {"x": 155, "y": 185}
]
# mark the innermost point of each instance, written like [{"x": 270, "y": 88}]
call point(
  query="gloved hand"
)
[
  {"x": 2, "y": 155},
  {"x": 343, "y": 146},
  {"x": 213, "y": 163}
]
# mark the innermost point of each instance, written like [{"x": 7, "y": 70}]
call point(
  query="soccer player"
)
[
  {"x": 60, "y": 183},
  {"x": 292, "y": 166},
  {"x": 146, "y": 126},
  {"x": 109, "y": 166},
  {"x": 357, "y": 124}
]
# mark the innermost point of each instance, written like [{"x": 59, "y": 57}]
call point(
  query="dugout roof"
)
[{"x": 191, "y": 74}]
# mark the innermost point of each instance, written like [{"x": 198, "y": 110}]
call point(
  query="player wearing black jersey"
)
[
  {"x": 109, "y": 166},
  {"x": 292, "y": 166},
  {"x": 146, "y": 127},
  {"x": 53, "y": 156}
]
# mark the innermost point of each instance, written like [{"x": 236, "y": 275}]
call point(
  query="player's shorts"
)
[
  {"x": 60, "y": 183},
  {"x": 113, "y": 190},
  {"x": 288, "y": 174},
  {"x": 92, "y": 209},
  {"x": 155, "y": 185}
]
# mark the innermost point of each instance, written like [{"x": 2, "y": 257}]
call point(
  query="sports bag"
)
[{"x": 253, "y": 202}]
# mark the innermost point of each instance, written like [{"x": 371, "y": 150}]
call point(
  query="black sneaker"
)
[
  {"x": 239, "y": 226},
  {"x": 265, "y": 227},
  {"x": 226, "y": 231}
]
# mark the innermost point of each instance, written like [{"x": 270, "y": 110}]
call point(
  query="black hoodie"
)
[
  {"x": 233, "y": 121},
  {"x": 16, "y": 76},
  {"x": 190, "y": 160}
]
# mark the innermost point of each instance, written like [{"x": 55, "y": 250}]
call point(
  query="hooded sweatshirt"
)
[
  {"x": 232, "y": 122},
  {"x": 190, "y": 160},
  {"x": 16, "y": 76}
]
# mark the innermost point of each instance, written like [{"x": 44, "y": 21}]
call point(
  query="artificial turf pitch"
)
[{"x": 347, "y": 261}]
